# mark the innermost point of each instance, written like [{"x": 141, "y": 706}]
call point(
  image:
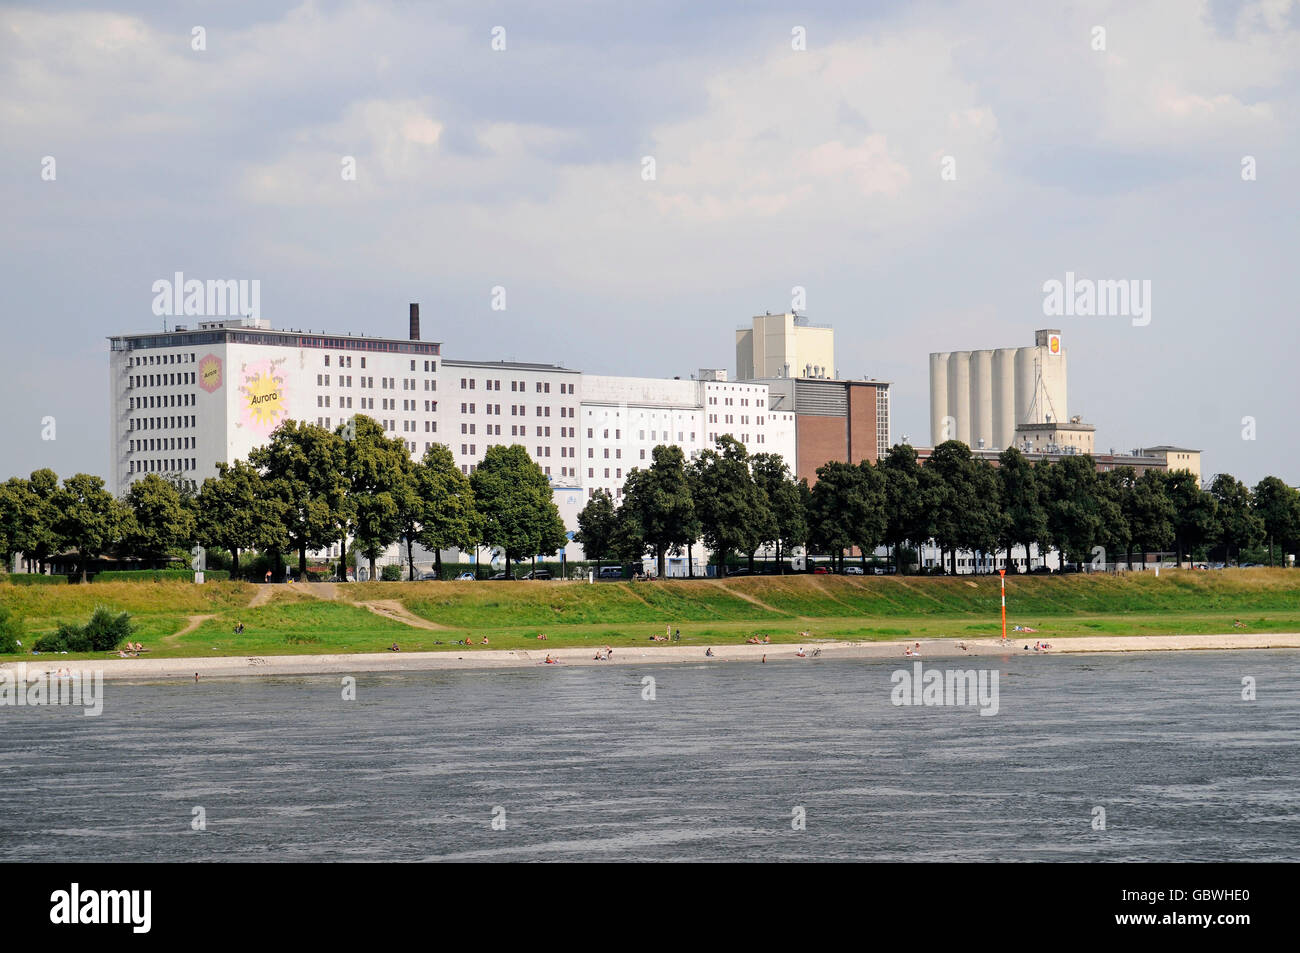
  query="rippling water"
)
[{"x": 712, "y": 769}]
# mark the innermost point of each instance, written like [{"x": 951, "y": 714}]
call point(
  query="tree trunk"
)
[
  {"x": 437, "y": 562},
  {"x": 661, "y": 555},
  {"x": 302, "y": 561},
  {"x": 690, "y": 560},
  {"x": 410, "y": 556},
  {"x": 234, "y": 562}
]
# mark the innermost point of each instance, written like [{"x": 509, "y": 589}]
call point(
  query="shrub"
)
[
  {"x": 11, "y": 632},
  {"x": 68, "y": 638},
  {"x": 34, "y": 579},
  {"x": 103, "y": 633},
  {"x": 106, "y": 631},
  {"x": 145, "y": 575},
  {"x": 391, "y": 573}
]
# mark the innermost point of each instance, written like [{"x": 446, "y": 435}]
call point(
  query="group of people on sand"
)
[
  {"x": 1040, "y": 646},
  {"x": 131, "y": 650},
  {"x": 910, "y": 651},
  {"x": 603, "y": 655},
  {"x": 755, "y": 640}
]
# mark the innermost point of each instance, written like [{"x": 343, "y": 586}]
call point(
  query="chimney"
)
[{"x": 415, "y": 321}]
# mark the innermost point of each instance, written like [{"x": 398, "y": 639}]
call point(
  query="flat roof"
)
[{"x": 518, "y": 365}]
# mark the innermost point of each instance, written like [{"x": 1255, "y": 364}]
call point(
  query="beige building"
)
[
  {"x": 785, "y": 345},
  {"x": 1177, "y": 458},
  {"x": 981, "y": 397},
  {"x": 1072, "y": 437}
]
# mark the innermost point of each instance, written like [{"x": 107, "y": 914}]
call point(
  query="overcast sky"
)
[{"x": 775, "y": 167}]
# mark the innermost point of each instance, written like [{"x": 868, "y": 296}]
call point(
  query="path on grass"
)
[
  {"x": 395, "y": 611},
  {"x": 194, "y": 623}
]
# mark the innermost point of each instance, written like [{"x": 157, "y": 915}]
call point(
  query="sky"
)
[{"x": 920, "y": 170}]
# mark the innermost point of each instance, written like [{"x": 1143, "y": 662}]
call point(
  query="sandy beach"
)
[{"x": 649, "y": 654}]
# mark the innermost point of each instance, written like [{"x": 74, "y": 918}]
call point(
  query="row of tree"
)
[
  {"x": 736, "y": 503},
  {"x": 305, "y": 489},
  {"x": 309, "y": 487}
]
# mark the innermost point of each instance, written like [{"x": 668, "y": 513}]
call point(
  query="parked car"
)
[
  {"x": 853, "y": 571},
  {"x": 739, "y": 571},
  {"x": 428, "y": 576},
  {"x": 610, "y": 572},
  {"x": 821, "y": 571},
  {"x": 503, "y": 575},
  {"x": 466, "y": 577},
  {"x": 537, "y": 574}
]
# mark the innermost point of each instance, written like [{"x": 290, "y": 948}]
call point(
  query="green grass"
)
[{"x": 511, "y": 614}]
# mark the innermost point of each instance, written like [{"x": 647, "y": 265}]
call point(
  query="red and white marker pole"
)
[{"x": 1003, "y": 574}]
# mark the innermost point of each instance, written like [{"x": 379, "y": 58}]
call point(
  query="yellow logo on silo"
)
[{"x": 1054, "y": 344}]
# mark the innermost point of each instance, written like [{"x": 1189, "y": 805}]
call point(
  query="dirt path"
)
[
  {"x": 762, "y": 605},
  {"x": 194, "y": 623},
  {"x": 395, "y": 611},
  {"x": 262, "y": 596},
  {"x": 318, "y": 590}
]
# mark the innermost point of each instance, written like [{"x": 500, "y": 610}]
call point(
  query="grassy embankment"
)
[{"x": 181, "y": 619}]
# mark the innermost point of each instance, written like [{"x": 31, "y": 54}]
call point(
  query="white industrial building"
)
[
  {"x": 981, "y": 397},
  {"x": 188, "y": 399}
]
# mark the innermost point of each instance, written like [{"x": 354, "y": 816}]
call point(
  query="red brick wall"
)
[
  {"x": 821, "y": 440},
  {"x": 862, "y": 422}
]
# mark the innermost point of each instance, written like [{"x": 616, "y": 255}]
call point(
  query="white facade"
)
[
  {"x": 980, "y": 397},
  {"x": 187, "y": 400}
]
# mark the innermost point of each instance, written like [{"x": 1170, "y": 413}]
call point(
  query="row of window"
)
[
  {"x": 163, "y": 423},
  {"x": 182, "y": 465},
  {"x": 163, "y": 443},
  {"x": 162, "y": 400},
  {"x": 543, "y": 387},
  {"x": 154, "y": 359},
  {"x": 161, "y": 380}
]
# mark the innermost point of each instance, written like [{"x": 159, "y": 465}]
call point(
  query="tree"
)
[
  {"x": 1019, "y": 499},
  {"x": 732, "y": 510},
  {"x": 1278, "y": 508},
  {"x": 964, "y": 499},
  {"x": 90, "y": 520},
  {"x": 847, "y": 508},
  {"x": 161, "y": 522},
  {"x": 303, "y": 466},
  {"x": 27, "y": 518},
  {"x": 376, "y": 472},
  {"x": 658, "y": 508},
  {"x": 1150, "y": 514},
  {"x": 1194, "y": 512},
  {"x": 1237, "y": 523},
  {"x": 906, "y": 518},
  {"x": 1076, "y": 513},
  {"x": 446, "y": 504},
  {"x": 789, "y": 525},
  {"x": 235, "y": 512},
  {"x": 513, "y": 499},
  {"x": 597, "y": 523}
]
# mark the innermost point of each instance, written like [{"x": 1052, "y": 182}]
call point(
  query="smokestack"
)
[{"x": 415, "y": 321}]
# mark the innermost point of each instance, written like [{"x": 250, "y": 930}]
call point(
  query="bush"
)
[
  {"x": 69, "y": 638},
  {"x": 391, "y": 573},
  {"x": 34, "y": 579},
  {"x": 106, "y": 631},
  {"x": 145, "y": 575},
  {"x": 103, "y": 633},
  {"x": 11, "y": 632}
]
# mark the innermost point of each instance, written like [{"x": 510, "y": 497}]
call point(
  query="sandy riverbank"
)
[{"x": 226, "y": 667}]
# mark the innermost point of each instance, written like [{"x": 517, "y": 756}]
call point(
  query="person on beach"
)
[
  {"x": 708, "y": 653},
  {"x": 549, "y": 660},
  {"x": 801, "y": 653},
  {"x": 677, "y": 636},
  {"x": 765, "y": 659}
]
